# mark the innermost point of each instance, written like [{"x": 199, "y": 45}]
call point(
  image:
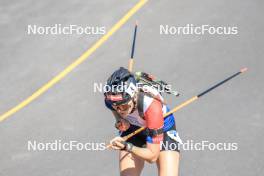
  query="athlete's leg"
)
[
  {"x": 129, "y": 164},
  {"x": 168, "y": 163}
]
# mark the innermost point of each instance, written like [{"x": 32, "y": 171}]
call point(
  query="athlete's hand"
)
[
  {"x": 117, "y": 143},
  {"x": 122, "y": 125}
]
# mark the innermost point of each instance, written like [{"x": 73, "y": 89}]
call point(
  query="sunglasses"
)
[{"x": 122, "y": 107}]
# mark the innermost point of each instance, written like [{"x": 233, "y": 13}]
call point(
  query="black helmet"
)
[{"x": 121, "y": 87}]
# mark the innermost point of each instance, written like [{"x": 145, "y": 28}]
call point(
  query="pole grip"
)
[{"x": 130, "y": 64}]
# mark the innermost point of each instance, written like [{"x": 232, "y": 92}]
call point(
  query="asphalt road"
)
[{"x": 71, "y": 110}]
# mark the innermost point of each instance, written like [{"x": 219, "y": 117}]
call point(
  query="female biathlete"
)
[{"x": 134, "y": 107}]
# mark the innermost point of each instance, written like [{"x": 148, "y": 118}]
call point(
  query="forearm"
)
[
  {"x": 145, "y": 153},
  {"x": 150, "y": 153}
]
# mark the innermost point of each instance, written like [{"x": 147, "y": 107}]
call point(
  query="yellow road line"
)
[{"x": 77, "y": 62}]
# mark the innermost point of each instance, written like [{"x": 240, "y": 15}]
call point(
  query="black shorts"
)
[{"x": 139, "y": 139}]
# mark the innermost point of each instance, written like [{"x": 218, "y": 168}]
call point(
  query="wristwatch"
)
[{"x": 128, "y": 146}]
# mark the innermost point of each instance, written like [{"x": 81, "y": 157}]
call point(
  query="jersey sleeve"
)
[{"x": 154, "y": 120}]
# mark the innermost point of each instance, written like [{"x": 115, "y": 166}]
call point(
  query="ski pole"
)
[
  {"x": 131, "y": 60},
  {"x": 187, "y": 102}
]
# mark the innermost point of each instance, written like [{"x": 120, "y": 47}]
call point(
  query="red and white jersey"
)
[{"x": 153, "y": 111}]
